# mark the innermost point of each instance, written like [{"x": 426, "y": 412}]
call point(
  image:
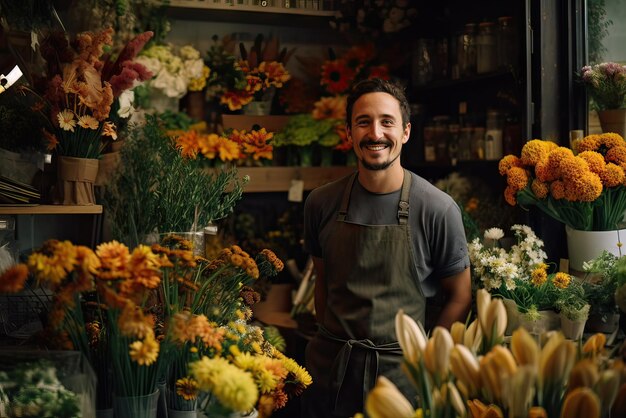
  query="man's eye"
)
[
  {"x": 362, "y": 123},
  {"x": 388, "y": 122}
]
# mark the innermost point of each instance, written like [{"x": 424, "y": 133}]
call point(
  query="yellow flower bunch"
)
[
  {"x": 524, "y": 379},
  {"x": 581, "y": 187}
]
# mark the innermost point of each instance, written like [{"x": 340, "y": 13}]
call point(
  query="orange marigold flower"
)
[
  {"x": 588, "y": 143},
  {"x": 611, "y": 140},
  {"x": 132, "y": 322},
  {"x": 330, "y": 108},
  {"x": 507, "y": 162},
  {"x": 589, "y": 188},
  {"x": 275, "y": 71},
  {"x": 534, "y": 151},
  {"x": 236, "y": 100},
  {"x": 114, "y": 257},
  {"x": 613, "y": 175},
  {"x": 12, "y": 279},
  {"x": 187, "y": 144},
  {"x": 595, "y": 161},
  {"x": 557, "y": 189},
  {"x": 539, "y": 188},
  {"x": 561, "y": 280},
  {"x": 573, "y": 168},
  {"x": 616, "y": 155},
  {"x": 510, "y": 195},
  {"x": 555, "y": 159},
  {"x": 543, "y": 172},
  {"x": 517, "y": 178}
]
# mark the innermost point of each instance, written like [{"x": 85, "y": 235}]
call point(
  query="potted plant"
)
[
  {"x": 573, "y": 310},
  {"x": 606, "y": 84},
  {"x": 600, "y": 284},
  {"x": 580, "y": 187}
]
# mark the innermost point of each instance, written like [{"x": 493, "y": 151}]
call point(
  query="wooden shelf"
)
[
  {"x": 51, "y": 210},
  {"x": 278, "y": 179},
  {"x": 273, "y": 15}
]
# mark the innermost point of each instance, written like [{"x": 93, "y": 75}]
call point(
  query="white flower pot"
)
[
  {"x": 572, "y": 330},
  {"x": 586, "y": 245}
]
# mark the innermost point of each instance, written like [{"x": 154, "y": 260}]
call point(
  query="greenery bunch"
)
[{"x": 157, "y": 190}]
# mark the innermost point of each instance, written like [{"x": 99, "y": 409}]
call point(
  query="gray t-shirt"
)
[{"x": 434, "y": 218}]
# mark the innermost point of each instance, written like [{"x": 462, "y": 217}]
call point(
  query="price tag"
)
[{"x": 296, "y": 190}]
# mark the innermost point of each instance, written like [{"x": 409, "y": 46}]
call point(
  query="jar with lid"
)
[
  {"x": 9, "y": 253},
  {"x": 506, "y": 43},
  {"x": 441, "y": 137},
  {"x": 486, "y": 60},
  {"x": 466, "y": 51},
  {"x": 493, "y": 135}
]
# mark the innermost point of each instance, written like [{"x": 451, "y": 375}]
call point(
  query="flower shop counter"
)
[{"x": 279, "y": 179}]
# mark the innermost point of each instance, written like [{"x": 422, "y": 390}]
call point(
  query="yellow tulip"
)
[
  {"x": 437, "y": 353},
  {"x": 520, "y": 390},
  {"x": 619, "y": 406},
  {"x": 473, "y": 337},
  {"x": 537, "y": 412},
  {"x": 476, "y": 408},
  {"x": 583, "y": 374},
  {"x": 386, "y": 401},
  {"x": 504, "y": 359},
  {"x": 465, "y": 367},
  {"x": 495, "y": 321},
  {"x": 454, "y": 397},
  {"x": 493, "y": 411},
  {"x": 410, "y": 337},
  {"x": 489, "y": 377},
  {"x": 457, "y": 331},
  {"x": 607, "y": 388},
  {"x": 483, "y": 299},
  {"x": 581, "y": 403},
  {"x": 524, "y": 347},
  {"x": 594, "y": 344}
]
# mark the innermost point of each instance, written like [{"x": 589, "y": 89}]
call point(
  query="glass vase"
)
[{"x": 136, "y": 406}]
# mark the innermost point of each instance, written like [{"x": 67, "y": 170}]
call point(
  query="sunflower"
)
[{"x": 187, "y": 388}]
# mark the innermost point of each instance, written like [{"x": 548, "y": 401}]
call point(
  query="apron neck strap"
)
[{"x": 343, "y": 209}]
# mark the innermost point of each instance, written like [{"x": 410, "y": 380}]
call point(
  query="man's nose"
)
[{"x": 376, "y": 131}]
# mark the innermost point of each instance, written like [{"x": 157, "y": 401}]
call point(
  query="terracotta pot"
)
[
  {"x": 613, "y": 120},
  {"x": 75, "y": 181}
]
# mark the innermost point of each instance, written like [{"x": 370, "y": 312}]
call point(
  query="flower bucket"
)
[
  {"x": 75, "y": 181},
  {"x": 258, "y": 108},
  {"x": 613, "y": 120},
  {"x": 173, "y": 413},
  {"x": 571, "y": 329},
  {"x": 586, "y": 245},
  {"x": 136, "y": 406}
]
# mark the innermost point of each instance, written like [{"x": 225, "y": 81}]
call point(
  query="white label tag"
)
[{"x": 295, "y": 191}]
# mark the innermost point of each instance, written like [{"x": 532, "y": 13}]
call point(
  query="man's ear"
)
[{"x": 407, "y": 133}]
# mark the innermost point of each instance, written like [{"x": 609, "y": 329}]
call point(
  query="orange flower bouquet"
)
[{"x": 582, "y": 188}]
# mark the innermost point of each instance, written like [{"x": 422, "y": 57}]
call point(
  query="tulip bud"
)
[
  {"x": 581, "y": 403},
  {"x": 558, "y": 363},
  {"x": 483, "y": 299},
  {"x": 495, "y": 321},
  {"x": 584, "y": 374},
  {"x": 386, "y": 401},
  {"x": 594, "y": 344},
  {"x": 476, "y": 407},
  {"x": 473, "y": 337},
  {"x": 520, "y": 390},
  {"x": 493, "y": 411},
  {"x": 457, "y": 331},
  {"x": 465, "y": 368},
  {"x": 443, "y": 347},
  {"x": 524, "y": 347},
  {"x": 454, "y": 397},
  {"x": 607, "y": 388},
  {"x": 536, "y": 412},
  {"x": 410, "y": 337}
]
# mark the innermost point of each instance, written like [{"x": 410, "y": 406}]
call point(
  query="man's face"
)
[{"x": 377, "y": 132}]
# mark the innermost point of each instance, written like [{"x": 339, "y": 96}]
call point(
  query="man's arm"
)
[
  {"x": 458, "y": 290},
  {"x": 320, "y": 289}
]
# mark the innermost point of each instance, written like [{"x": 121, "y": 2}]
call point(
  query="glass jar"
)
[
  {"x": 441, "y": 137},
  {"x": 506, "y": 43},
  {"x": 465, "y": 144},
  {"x": 466, "y": 51},
  {"x": 493, "y": 135},
  {"x": 486, "y": 60},
  {"x": 478, "y": 143}
]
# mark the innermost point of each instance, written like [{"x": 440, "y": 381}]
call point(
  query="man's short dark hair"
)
[{"x": 378, "y": 85}]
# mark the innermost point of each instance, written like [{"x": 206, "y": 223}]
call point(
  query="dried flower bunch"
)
[
  {"x": 582, "y": 188},
  {"x": 457, "y": 375},
  {"x": 606, "y": 84},
  {"x": 82, "y": 83}
]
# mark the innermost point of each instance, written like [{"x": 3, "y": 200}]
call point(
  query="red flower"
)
[{"x": 337, "y": 76}]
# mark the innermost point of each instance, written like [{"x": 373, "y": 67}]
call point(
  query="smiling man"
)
[{"x": 382, "y": 239}]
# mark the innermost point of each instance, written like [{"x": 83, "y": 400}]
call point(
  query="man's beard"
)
[{"x": 378, "y": 166}]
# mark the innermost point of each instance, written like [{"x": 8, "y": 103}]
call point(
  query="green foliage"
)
[
  {"x": 273, "y": 336},
  {"x": 597, "y": 28},
  {"x": 302, "y": 130},
  {"x": 157, "y": 190},
  {"x": 601, "y": 280}
]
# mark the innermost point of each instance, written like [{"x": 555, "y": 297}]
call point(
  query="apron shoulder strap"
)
[
  {"x": 403, "y": 205},
  {"x": 343, "y": 209}
]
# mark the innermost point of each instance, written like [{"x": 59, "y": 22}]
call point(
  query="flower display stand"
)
[{"x": 584, "y": 246}]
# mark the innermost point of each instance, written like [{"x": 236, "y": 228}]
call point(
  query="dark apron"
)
[{"x": 370, "y": 274}]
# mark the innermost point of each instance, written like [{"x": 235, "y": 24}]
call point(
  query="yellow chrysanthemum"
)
[
  {"x": 133, "y": 323},
  {"x": 536, "y": 150},
  {"x": 594, "y": 160},
  {"x": 539, "y": 276},
  {"x": 588, "y": 143},
  {"x": 585, "y": 189},
  {"x": 573, "y": 168},
  {"x": 611, "y": 140},
  {"x": 555, "y": 159},
  {"x": 44, "y": 270},
  {"x": 616, "y": 155},
  {"x": 187, "y": 388},
  {"x": 557, "y": 189},
  {"x": 613, "y": 175},
  {"x": 114, "y": 258},
  {"x": 145, "y": 352},
  {"x": 561, "y": 280}
]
